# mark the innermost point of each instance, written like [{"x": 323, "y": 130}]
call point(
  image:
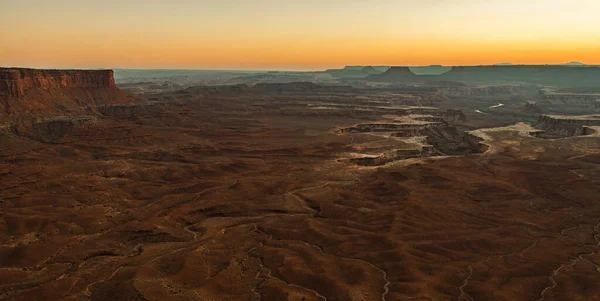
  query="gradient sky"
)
[{"x": 295, "y": 34}]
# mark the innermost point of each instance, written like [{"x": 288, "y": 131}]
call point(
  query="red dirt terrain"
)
[{"x": 250, "y": 196}]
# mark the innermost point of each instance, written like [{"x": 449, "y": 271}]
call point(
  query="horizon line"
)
[{"x": 503, "y": 64}]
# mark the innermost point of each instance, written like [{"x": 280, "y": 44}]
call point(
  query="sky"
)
[{"x": 295, "y": 34}]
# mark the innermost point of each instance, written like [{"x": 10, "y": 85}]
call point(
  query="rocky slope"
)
[
  {"x": 531, "y": 107},
  {"x": 439, "y": 141},
  {"x": 47, "y": 105},
  {"x": 36, "y": 93}
]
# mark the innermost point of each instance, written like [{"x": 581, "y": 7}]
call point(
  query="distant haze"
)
[{"x": 294, "y": 34}]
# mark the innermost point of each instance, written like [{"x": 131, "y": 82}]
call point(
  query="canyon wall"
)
[
  {"x": 565, "y": 126},
  {"x": 31, "y": 95},
  {"x": 15, "y": 81}
]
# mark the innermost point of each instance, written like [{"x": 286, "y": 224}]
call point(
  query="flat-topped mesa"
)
[
  {"x": 560, "y": 76},
  {"x": 395, "y": 73},
  {"x": 16, "y": 81},
  {"x": 556, "y": 126},
  {"x": 37, "y": 94},
  {"x": 586, "y": 120}
]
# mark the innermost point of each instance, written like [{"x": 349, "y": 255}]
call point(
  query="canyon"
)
[
  {"x": 192, "y": 185},
  {"x": 566, "y": 126}
]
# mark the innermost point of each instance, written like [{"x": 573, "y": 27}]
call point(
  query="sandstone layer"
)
[
  {"x": 40, "y": 94},
  {"x": 15, "y": 81},
  {"x": 555, "y": 126}
]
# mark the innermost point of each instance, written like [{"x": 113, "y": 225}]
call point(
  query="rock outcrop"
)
[
  {"x": 454, "y": 116},
  {"x": 411, "y": 123},
  {"x": 450, "y": 141},
  {"x": 391, "y": 156},
  {"x": 40, "y": 94},
  {"x": 15, "y": 81},
  {"x": 531, "y": 107},
  {"x": 396, "y": 74},
  {"x": 554, "y": 126},
  {"x": 439, "y": 141}
]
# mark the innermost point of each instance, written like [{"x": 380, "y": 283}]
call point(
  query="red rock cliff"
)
[{"x": 15, "y": 81}]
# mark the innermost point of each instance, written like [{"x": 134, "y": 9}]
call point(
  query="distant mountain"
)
[
  {"x": 359, "y": 68},
  {"x": 430, "y": 70},
  {"x": 356, "y": 71},
  {"x": 550, "y": 75},
  {"x": 574, "y": 64},
  {"x": 369, "y": 70}
]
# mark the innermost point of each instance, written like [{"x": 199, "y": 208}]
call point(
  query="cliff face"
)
[
  {"x": 565, "y": 126},
  {"x": 15, "y": 81},
  {"x": 35, "y": 94},
  {"x": 441, "y": 141}
]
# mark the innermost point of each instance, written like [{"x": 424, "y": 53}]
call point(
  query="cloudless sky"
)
[{"x": 295, "y": 34}]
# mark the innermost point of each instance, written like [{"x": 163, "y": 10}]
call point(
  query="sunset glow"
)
[{"x": 299, "y": 35}]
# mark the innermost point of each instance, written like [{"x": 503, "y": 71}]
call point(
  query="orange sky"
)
[{"x": 300, "y": 35}]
